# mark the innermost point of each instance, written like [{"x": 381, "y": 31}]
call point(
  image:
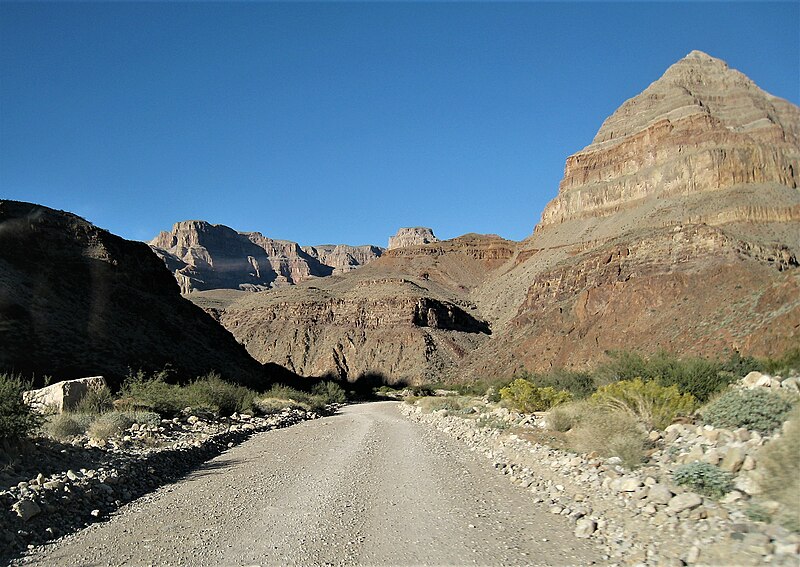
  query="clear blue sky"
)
[{"x": 339, "y": 122}]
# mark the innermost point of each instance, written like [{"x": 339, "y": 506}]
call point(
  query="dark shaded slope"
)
[{"x": 75, "y": 300}]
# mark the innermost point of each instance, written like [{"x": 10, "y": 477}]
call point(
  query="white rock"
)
[
  {"x": 585, "y": 527},
  {"x": 685, "y": 501}
]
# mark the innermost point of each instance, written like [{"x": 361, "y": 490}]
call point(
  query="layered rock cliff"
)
[
  {"x": 677, "y": 228},
  {"x": 405, "y": 316},
  {"x": 203, "y": 256},
  {"x": 412, "y": 236},
  {"x": 701, "y": 127},
  {"x": 342, "y": 257},
  {"x": 77, "y": 301}
]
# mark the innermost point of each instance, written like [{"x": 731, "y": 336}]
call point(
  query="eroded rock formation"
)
[
  {"x": 412, "y": 236},
  {"x": 677, "y": 228},
  {"x": 205, "y": 256}
]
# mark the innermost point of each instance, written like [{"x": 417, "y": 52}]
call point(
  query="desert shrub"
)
[
  {"x": 579, "y": 384},
  {"x": 96, "y": 400},
  {"x": 492, "y": 421},
  {"x": 330, "y": 391},
  {"x": 64, "y": 426},
  {"x": 294, "y": 398},
  {"x": 609, "y": 433},
  {"x": 567, "y": 416},
  {"x": 699, "y": 377},
  {"x": 109, "y": 424},
  {"x": 144, "y": 417},
  {"x": 704, "y": 478},
  {"x": 153, "y": 393},
  {"x": 432, "y": 403},
  {"x": 650, "y": 403},
  {"x": 209, "y": 392},
  {"x": 224, "y": 397},
  {"x": 780, "y": 461},
  {"x": 17, "y": 419},
  {"x": 759, "y": 410},
  {"x": 269, "y": 406},
  {"x": 525, "y": 397},
  {"x": 421, "y": 391},
  {"x": 783, "y": 365}
]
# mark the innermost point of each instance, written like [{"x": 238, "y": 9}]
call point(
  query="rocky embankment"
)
[
  {"x": 641, "y": 517},
  {"x": 51, "y": 489}
]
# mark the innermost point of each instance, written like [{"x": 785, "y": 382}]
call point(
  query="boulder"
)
[
  {"x": 64, "y": 395},
  {"x": 685, "y": 501}
]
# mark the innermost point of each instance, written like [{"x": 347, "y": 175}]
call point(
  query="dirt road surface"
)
[{"x": 363, "y": 487}]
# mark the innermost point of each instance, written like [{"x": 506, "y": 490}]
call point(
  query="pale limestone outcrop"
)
[
  {"x": 412, "y": 236},
  {"x": 342, "y": 257},
  {"x": 63, "y": 396}
]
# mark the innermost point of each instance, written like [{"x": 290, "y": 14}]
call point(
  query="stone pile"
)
[
  {"x": 104, "y": 475},
  {"x": 642, "y": 516}
]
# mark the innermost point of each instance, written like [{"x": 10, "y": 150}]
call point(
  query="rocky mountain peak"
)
[
  {"x": 412, "y": 236},
  {"x": 701, "y": 127}
]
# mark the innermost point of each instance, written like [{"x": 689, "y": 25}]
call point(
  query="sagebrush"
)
[
  {"x": 758, "y": 410},
  {"x": 704, "y": 478}
]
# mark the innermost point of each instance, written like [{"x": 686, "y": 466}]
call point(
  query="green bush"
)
[
  {"x": 525, "y": 397},
  {"x": 291, "y": 397},
  {"x": 96, "y": 400},
  {"x": 759, "y": 410},
  {"x": 579, "y": 384},
  {"x": 209, "y": 392},
  {"x": 650, "y": 403},
  {"x": 17, "y": 419},
  {"x": 704, "y": 478},
  {"x": 699, "y": 377},
  {"x": 609, "y": 433},
  {"x": 64, "y": 426},
  {"x": 779, "y": 460},
  {"x": 330, "y": 391},
  {"x": 783, "y": 365},
  {"x": 226, "y": 398}
]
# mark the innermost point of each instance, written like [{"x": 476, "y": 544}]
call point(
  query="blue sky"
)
[{"x": 339, "y": 122}]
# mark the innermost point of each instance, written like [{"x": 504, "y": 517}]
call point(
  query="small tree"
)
[{"x": 17, "y": 419}]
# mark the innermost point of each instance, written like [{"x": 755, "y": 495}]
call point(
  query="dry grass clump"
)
[
  {"x": 449, "y": 403},
  {"x": 600, "y": 430},
  {"x": 649, "y": 403},
  {"x": 780, "y": 461},
  {"x": 64, "y": 426},
  {"x": 567, "y": 416},
  {"x": 608, "y": 433}
]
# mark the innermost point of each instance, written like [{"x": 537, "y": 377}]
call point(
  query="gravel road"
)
[{"x": 363, "y": 487}]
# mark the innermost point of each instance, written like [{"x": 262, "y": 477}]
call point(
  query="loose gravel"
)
[{"x": 365, "y": 486}]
